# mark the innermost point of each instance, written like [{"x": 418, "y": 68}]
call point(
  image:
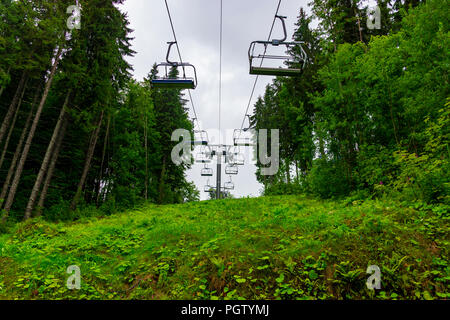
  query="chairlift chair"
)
[
  {"x": 200, "y": 138},
  {"x": 243, "y": 138},
  {"x": 174, "y": 82},
  {"x": 229, "y": 185},
  {"x": 206, "y": 172},
  {"x": 231, "y": 169},
  {"x": 286, "y": 59},
  {"x": 204, "y": 156}
]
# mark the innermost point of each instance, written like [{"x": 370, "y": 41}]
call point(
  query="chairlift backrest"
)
[
  {"x": 229, "y": 185},
  {"x": 276, "y": 42},
  {"x": 204, "y": 156},
  {"x": 237, "y": 159}
]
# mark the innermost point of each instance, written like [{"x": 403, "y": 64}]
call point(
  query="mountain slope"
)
[{"x": 286, "y": 247}]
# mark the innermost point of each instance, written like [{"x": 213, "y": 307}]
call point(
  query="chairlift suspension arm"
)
[{"x": 275, "y": 41}]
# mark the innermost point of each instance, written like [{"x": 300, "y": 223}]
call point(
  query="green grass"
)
[{"x": 285, "y": 247}]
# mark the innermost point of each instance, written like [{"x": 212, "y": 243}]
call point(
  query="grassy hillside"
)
[{"x": 285, "y": 247}]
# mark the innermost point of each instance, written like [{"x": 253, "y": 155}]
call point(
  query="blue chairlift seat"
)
[
  {"x": 171, "y": 82},
  {"x": 177, "y": 83}
]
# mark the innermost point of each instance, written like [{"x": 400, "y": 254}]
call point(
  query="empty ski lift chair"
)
[
  {"x": 206, "y": 172},
  {"x": 204, "y": 156},
  {"x": 174, "y": 82},
  {"x": 288, "y": 61},
  {"x": 229, "y": 185},
  {"x": 237, "y": 158},
  {"x": 243, "y": 138},
  {"x": 200, "y": 138},
  {"x": 208, "y": 187},
  {"x": 231, "y": 169}
]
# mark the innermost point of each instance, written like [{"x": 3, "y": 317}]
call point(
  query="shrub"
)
[{"x": 327, "y": 179}]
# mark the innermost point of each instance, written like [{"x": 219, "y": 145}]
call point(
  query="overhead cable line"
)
[
  {"x": 262, "y": 60},
  {"x": 181, "y": 60}
]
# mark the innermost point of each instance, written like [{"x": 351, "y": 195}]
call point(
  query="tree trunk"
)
[
  {"x": 99, "y": 186},
  {"x": 11, "y": 129},
  {"x": 12, "y": 106},
  {"x": 359, "y": 26},
  {"x": 46, "y": 160},
  {"x": 87, "y": 163},
  {"x": 51, "y": 167},
  {"x": 288, "y": 172},
  {"x": 19, "y": 147},
  {"x": 26, "y": 149}
]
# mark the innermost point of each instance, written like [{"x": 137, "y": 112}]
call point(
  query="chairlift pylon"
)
[
  {"x": 200, "y": 138},
  {"x": 174, "y": 82},
  {"x": 287, "y": 59}
]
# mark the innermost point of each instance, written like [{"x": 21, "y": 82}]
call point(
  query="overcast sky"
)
[{"x": 197, "y": 28}]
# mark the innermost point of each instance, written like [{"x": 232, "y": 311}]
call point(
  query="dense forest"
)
[{"x": 367, "y": 117}]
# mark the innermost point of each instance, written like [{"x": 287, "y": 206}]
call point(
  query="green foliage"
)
[
  {"x": 365, "y": 115},
  {"x": 427, "y": 177},
  {"x": 328, "y": 179},
  {"x": 274, "y": 189},
  {"x": 115, "y": 152},
  {"x": 286, "y": 247}
]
